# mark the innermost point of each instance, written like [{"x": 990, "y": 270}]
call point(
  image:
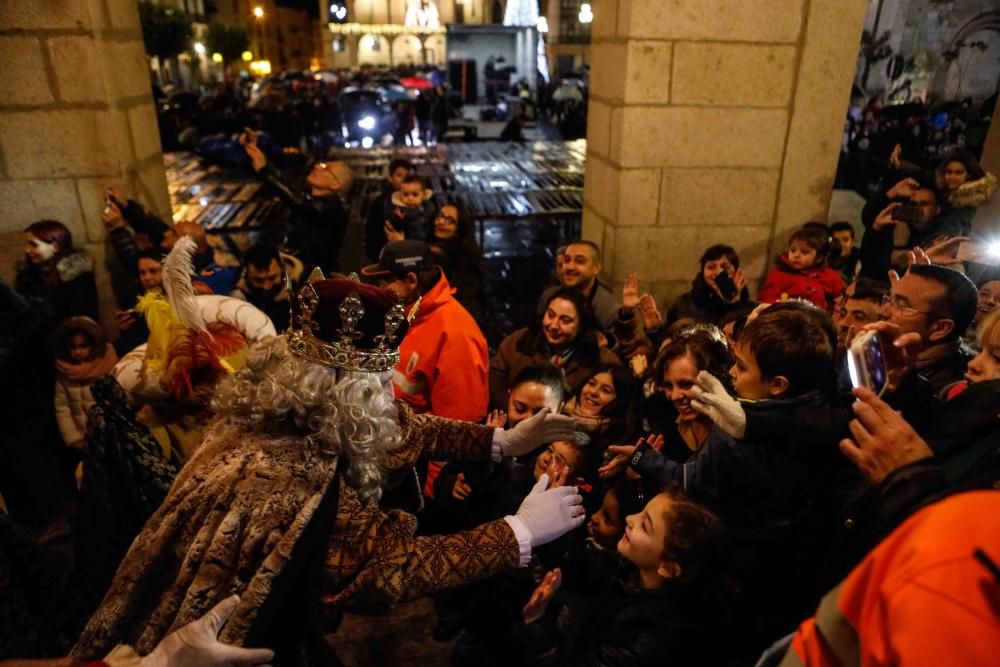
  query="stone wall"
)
[
  {"x": 76, "y": 115},
  {"x": 712, "y": 121}
]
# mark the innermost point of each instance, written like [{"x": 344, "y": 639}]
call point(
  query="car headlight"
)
[{"x": 367, "y": 123}]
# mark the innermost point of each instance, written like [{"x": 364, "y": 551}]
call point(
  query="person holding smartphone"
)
[{"x": 718, "y": 288}]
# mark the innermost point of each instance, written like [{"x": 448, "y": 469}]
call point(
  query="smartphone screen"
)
[
  {"x": 875, "y": 361},
  {"x": 907, "y": 213},
  {"x": 726, "y": 285}
]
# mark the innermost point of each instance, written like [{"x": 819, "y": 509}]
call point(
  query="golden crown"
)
[{"x": 342, "y": 353}]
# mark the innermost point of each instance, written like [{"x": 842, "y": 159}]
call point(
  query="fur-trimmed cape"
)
[{"x": 236, "y": 520}]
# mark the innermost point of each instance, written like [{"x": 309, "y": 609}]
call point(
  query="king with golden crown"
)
[{"x": 279, "y": 504}]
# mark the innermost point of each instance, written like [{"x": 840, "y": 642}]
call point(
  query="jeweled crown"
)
[{"x": 354, "y": 345}]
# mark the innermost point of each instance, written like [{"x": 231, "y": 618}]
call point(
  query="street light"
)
[
  {"x": 247, "y": 56},
  {"x": 216, "y": 57},
  {"x": 258, "y": 11},
  {"x": 543, "y": 24},
  {"x": 199, "y": 48},
  {"x": 586, "y": 14}
]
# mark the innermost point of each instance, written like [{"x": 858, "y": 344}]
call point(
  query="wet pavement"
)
[{"x": 526, "y": 200}]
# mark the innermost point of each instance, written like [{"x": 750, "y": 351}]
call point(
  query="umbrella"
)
[{"x": 418, "y": 82}]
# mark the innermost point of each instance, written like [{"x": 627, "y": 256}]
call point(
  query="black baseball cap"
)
[{"x": 401, "y": 257}]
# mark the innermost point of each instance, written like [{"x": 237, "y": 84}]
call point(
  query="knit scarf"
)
[
  {"x": 584, "y": 422},
  {"x": 89, "y": 371}
]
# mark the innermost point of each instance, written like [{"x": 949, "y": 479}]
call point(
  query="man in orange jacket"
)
[
  {"x": 443, "y": 362},
  {"x": 929, "y": 594}
]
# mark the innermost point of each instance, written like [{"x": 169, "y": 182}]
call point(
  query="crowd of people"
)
[{"x": 621, "y": 481}]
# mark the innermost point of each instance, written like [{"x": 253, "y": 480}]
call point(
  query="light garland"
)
[{"x": 382, "y": 29}]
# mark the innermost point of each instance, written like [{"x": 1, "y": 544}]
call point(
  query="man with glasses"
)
[
  {"x": 319, "y": 218},
  {"x": 938, "y": 303}
]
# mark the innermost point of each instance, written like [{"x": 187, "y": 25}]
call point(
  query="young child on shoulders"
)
[
  {"x": 413, "y": 211},
  {"x": 802, "y": 273}
]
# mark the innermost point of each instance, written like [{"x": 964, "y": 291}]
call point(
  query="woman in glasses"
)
[{"x": 453, "y": 241}]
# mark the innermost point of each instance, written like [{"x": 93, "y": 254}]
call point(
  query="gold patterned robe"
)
[{"x": 235, "y": 522}]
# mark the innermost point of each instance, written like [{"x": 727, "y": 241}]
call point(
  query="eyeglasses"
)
[
  {"x": 896, "y": 304},
  {"x": 448, "y": 219}
]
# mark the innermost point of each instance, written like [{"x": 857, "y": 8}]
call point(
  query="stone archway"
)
[
  {"x": 434, "y": 50},
  {"x": 407, "y": 49},
  {"x": 374, "y": 50}
]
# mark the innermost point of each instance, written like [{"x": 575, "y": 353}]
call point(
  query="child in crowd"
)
[
  {"x": 801, "y": 272},
  {"x": 607, "y": 525},
  {"x": 381, "y": 206},
  {"x": 412, "y": 213},
  {"x": 604, "y": 407},
  {"x": 845, "y": 255},
  {"x": 83, "y": 355},
  {"x": 662, "y": 604}
]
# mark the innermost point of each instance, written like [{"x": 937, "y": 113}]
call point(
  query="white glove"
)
[
  {"x": 712, "y": 400},
  {"x": 197, "y": 644},
  {"x": 546, "y": 515},
  {"x": 532, "y": 432}
]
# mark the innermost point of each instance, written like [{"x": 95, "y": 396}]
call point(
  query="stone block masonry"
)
[
  {"x": 712, "y": 121},
  {"x": 76, "y": 115}
]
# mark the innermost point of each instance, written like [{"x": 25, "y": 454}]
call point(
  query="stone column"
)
[
  {"x": 76, "y": 115},
  {"x": 712, "y": 121}
]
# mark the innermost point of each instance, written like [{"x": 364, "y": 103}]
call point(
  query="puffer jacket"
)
[
  {"x": 818, "y": 285},
  {"x": 72, "y": 402}
]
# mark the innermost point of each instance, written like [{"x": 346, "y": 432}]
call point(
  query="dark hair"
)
[
  {"x": 973, "y": 170},
  {"x": 707, "y": 346},
  {"x": 815, "y": 239},
  {"x": 867, "y": 289},
  {"x": 585, "y": 344},
  {"x": 842, "y": 227},
  {"x": 414, "y": 177},
  {"x": 543, "y": 374},
  {"x": 696, "y": 540},
  {"x": 594, "y": 248},
  {"x": 462, "y": 250},
  {"x": 626, "y": 491},
  {"x": 52, "y": 231},
  {"x": 794, "y": 340},
  {"x": 621, "y": 411},
  {"x": 699, "y": 285},
  {"x": 398, "y": 163},
  {"x": 72, "y": 326},
  {"x": 426, "y": 280},
  {"x": 960, "y": 300},
  {"x": 261, "y": 255},
  {"x": 154, "y": 253}
]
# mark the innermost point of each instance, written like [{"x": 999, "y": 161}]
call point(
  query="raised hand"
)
[
  {"x": 904, "y": 189},
  {"x": 540, "y": 599},
  {"x": 651, "y": 318},
  {"x": 630, "y": 292},
  {"x": 461, "y": 490},
  {"x": 392, "y": 234},
  {"x": 884, "y": 218},
  {"x": 883, "y": 441}
]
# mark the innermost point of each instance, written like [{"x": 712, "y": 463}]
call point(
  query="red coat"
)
[{"x": 819, "y": 285}]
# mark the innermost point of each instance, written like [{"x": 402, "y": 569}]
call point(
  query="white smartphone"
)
[{"x": 866, "y": 363}]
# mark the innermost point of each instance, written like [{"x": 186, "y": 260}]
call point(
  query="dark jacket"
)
[
  {"x": 611, "y": 621},
  {"x": 944, "y": 365},
  {"x": 464, "y": 267},
  {"x": 318, "y": 224},
  {"x": 72, "y": 291},
  {"x": 704, "y": 305}
]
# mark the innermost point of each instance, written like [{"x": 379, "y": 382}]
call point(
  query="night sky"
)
[{"x": 312, "y": 6}]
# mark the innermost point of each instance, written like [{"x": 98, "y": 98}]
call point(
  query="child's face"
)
[
  {"x": 678, "y": 379},
  {"x": 646, "y": 534},
  {"x": 598, "y": 393},
  {"x": 560, "y": 455},
  {"x": 845, "y": 241},
  {"x": 746, "y": 375},
  {"x": 80, "y": 348},
  {"x": 801, "y": 255},
  {"x": 412, "y": 194},
  {"x": 527, "y": 399},
  {"x": 606, "y": 525},
  {"x": 985, "y": 365},
  {"x": 397, "y": 176}
]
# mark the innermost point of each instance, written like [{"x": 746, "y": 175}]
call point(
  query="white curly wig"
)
[{"x": 344, "y": 413}]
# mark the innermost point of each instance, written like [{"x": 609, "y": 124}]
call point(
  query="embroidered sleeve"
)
[
  {"x": 439, "y": 438},
  {"x": 374, "y": 560}
]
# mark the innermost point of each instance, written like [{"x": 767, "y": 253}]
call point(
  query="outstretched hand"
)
[
  {"x": 540, "y": 428},
  {"x": 883, "y": 441},
  {"x": 197, "y": 644},
  {"x": 540, "y": 599},
  {"x": 622, "y": 454},
  {"x": 630, "y": 292}
]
